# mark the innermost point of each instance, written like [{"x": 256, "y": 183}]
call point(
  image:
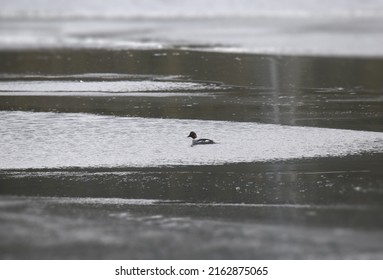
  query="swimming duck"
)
[{"x": 195, "y": 141}]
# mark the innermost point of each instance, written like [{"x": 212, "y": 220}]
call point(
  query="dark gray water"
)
[{"x": 96, "y": 104}]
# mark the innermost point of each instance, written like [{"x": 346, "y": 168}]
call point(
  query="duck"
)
[{"x": 201, "y": 141}]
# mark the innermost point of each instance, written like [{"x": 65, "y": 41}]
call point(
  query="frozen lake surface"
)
[
  {"x": 52, "y": 140},
  {"x": 128, "y": 229},
  {"x": 97, "y": 98},
  {"x": 100, "y": 88},
  {"x": 339, "y": 28}
]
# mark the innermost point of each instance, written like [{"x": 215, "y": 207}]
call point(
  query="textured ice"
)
[
  {"x": 45, "y": 88},
  {"x": 52, "y": 140},
  {"x": 119, "y": 9},
  {"x": 339, "y": 27}
]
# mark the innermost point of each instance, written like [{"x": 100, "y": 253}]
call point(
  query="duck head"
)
[{"x": 192, "y": 135}]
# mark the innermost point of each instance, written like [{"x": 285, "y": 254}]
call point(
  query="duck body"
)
[{"x": 201, "y": 141}]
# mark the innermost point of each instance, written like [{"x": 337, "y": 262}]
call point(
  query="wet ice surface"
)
[
  {"x": 278, "y": 210},
  {"x": 52, "y": 140},
  {"x": 267, "y": 35},
  {"x": 342, "y": 28},
  {"x": 99, "y": 88},
  {"x": 125, "y": 229},
  {"x": 96, "y": 101}
]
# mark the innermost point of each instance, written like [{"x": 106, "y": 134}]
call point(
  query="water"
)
[{"x": 96, "y": 103}]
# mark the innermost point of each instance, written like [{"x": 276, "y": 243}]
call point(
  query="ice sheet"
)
[
  {"x": 52, "y": 140},
  {"x": 99, "y": 88},
  {"x": 336, "y": 28}
]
